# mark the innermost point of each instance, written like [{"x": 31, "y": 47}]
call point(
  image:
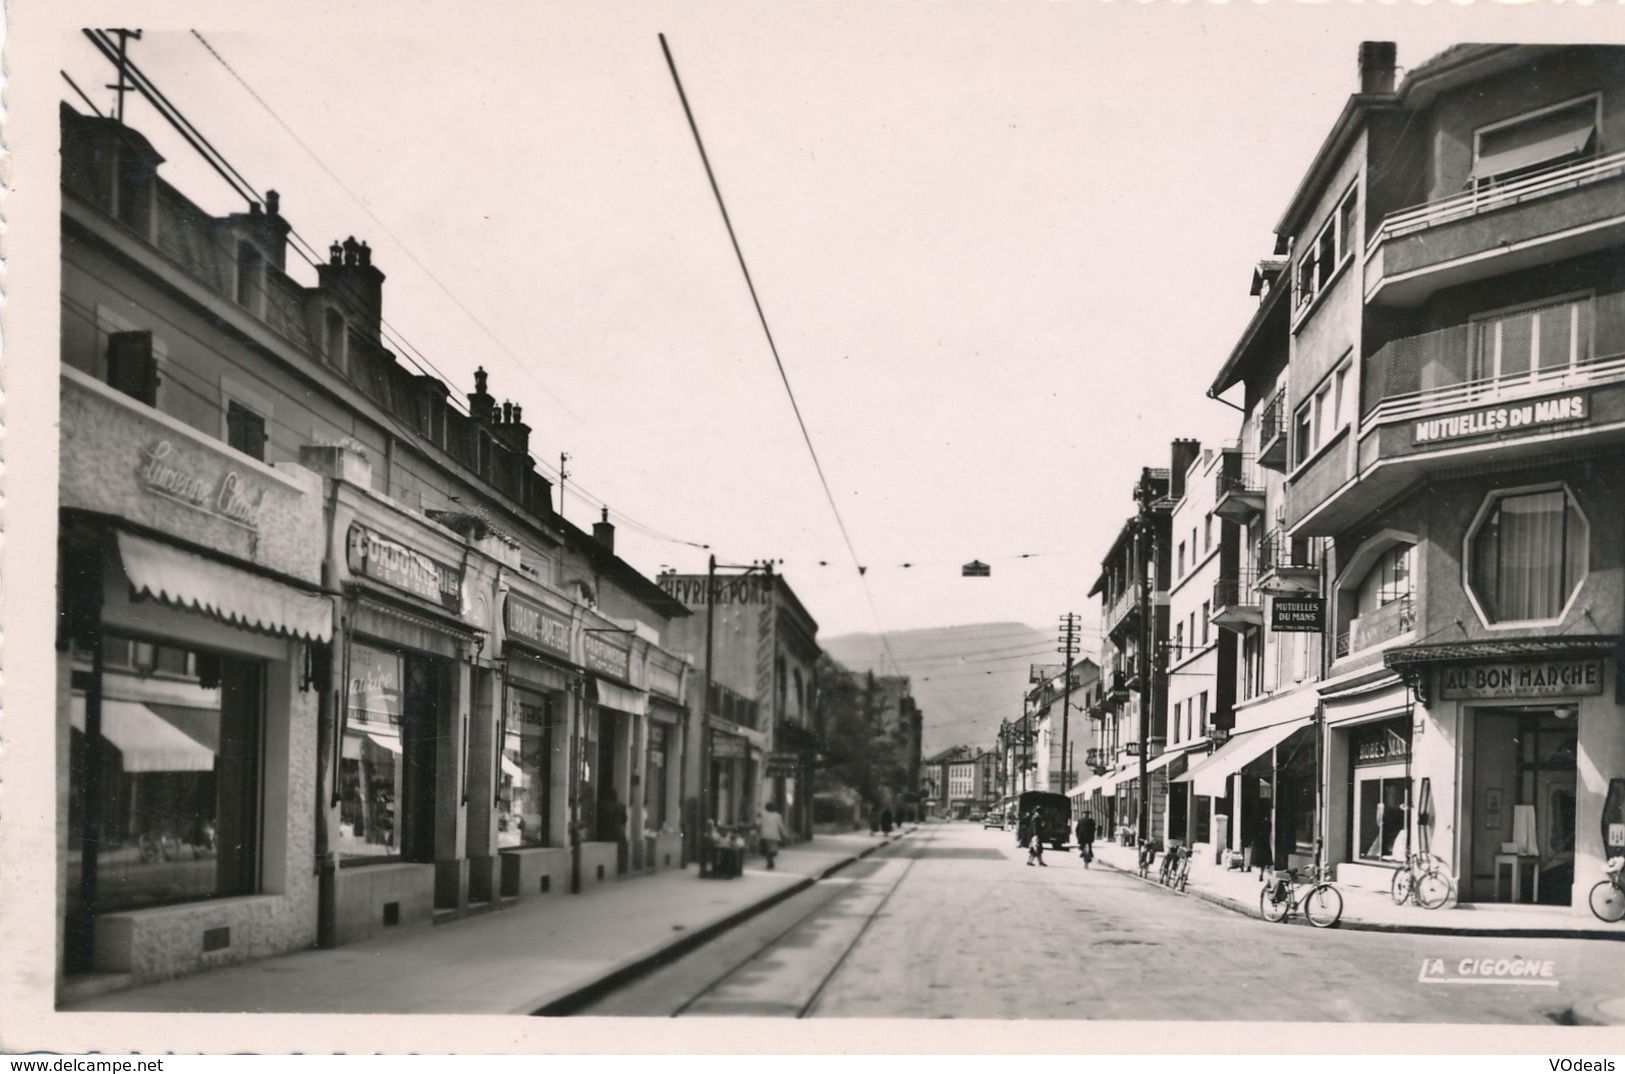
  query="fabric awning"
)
[
  {"x": 1562, "y": 141},
  {"x": 621, "y": 699},
  {"x": 1163, "y": 760},
  {"x": 146, "y": 741},
  {"x": 1210, "y": 776},
  {"x": 186, "y": 580}
]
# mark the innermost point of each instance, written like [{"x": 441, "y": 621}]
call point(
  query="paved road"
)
[{"x": 952, "y": 924}]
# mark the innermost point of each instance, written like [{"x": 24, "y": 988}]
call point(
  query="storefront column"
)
[
  {"x": 635, "y": 813},
  {"x": 451, "y": 807},
  {"x": 484, "y": 874}
]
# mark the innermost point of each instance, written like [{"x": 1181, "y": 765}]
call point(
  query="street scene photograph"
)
[{"x": 663, "y": 526}]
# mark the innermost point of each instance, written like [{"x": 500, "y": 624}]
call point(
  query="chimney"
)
[
  {"x": 1377, "y": 67},
  {"x": 1184, "y": 453},
  {"x": 350, "y": 277},
  {"x": 481, "y": 404},
  {"x": 603, "y": 531}
]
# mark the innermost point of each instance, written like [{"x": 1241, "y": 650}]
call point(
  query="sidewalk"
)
[
  {"x": 540, "y": 953},
  {"x": 1368, "y": 910}
]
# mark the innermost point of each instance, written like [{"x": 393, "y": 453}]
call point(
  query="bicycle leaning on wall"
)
[
  {"x": 1287, "y": 891},
  {"x": 1608, "y": 895},
  {"x": 1423, "y": 879}
]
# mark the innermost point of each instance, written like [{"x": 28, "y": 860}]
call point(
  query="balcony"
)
[
  {"x": 1238, "y": 492},
  {"x": 1272, "y": 433},
  {"x": 1117, "y": 683},
  {"x": 1235, "y": 603},
  {"x": 1124, "y": 612},
  {"x": 1288, "y": 566},
  {"x": 1497, "y": 390},
  {"x": 1386, "y": 623},
  {"x": 1561, "y": 212}
]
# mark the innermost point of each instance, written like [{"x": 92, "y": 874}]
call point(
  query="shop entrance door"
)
[{"x": 1523, "y": 802}]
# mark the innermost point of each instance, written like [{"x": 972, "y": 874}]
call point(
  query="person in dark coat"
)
[
  {"x": 885, "y": 822},
  {"x": 1263, "y": 855},
  {"x": 1035, "y": 843},
  {"x": 1086, "y": 838}
]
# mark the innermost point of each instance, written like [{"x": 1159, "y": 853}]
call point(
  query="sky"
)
[{"x": 1003, "y": 248}]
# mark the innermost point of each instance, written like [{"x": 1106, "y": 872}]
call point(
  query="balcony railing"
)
[
  {"x": 1383, "y": 624},
  {"x": 1485, "y": 198},
  {"x": 1272, "y": 433},
  {"x": 1238, "y": 488},
  {"x": 1281, "y": 557},
  {"x": 1124, "y": 606},
  {"x": 1564, "y": 345},
  {"x": 1239, "y": 591}
]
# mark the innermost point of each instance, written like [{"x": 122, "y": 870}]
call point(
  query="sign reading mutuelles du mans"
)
[
  {"x": 1494, "y": 420},
  {"x": 1540, "y": 678},
  {"x": 1298, "y": 615},
  {"x": 536, "y": 626}
]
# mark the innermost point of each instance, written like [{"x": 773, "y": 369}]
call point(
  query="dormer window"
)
[
  {"x": 1546, "y": 138},
  {"x": 335, "y": 339},
  {"x": 250, "y": 270}
]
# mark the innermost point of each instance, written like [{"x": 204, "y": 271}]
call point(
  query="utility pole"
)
[
  {"x": 564, "y": 457},
  {"x": 1069, "y": 648},
  {"x": 123, "y": 85}
]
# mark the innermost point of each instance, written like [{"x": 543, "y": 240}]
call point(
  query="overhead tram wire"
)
[
  {"x": 761, "y": 316},
  {"x": 241, "y": 186},
  {"x": 399, "y": 243}
]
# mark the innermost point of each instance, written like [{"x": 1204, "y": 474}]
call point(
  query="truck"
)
[{"x": 1056, "y": 826}]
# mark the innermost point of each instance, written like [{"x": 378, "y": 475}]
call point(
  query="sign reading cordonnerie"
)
[
  {"x": 1496, "y": 420},
  {"x": 1539, "y": 678},
  {"x": 375, "y": 556},
  {"x": 1298, "y": 615},
  {"x": 536, "y": 626}
]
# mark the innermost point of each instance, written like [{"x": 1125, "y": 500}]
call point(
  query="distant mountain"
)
[{"x": 965, "y": 678}]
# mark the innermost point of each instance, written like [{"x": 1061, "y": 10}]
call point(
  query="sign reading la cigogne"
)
[
  {"x": 535, "y": 625},
  {"x": 1538, "y": 678},
  {"x": 605, "y": 656},
  {"x": 1298, "y": 615},
  {"x": 163, "y": 472},
  {"x": 1492, "y": 420},
  {"x": 375, "y": 556}
]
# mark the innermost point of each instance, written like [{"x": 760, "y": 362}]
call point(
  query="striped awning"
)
[{"x": 189, "y": 581}]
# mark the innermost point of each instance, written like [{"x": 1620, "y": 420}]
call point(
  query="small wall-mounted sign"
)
[{"x": 1298, "y": 615}]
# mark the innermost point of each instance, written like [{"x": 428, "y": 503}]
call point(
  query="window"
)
[
  {"x": 1201, "y": 720},
  {"x": 1526, "y": 555},
  {"x": 1337, "y": 241},
  {"x": 335, "y": 338},
  {"x": 245, "y": 430},
  {"x": 1207, "y": 613},
  {"x": 524, "y": 807},
  {"x": 1530, "y": 340},
  {"x": 165, "y": 783},
  {"x": 132, "y": 367},
  {"x": 250, "y": 267},
  {"x": 1329, "y": 410},
  {"x": 1179, "y": 569},
  {"x": 387, "y": 765},
  {"x": 1207, "y": 535},
  {"x": 1179, "y": 641},
  {"x": 1548, "y": 138}
]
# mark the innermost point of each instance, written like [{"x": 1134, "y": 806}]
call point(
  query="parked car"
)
[{"x": 993, "y": 819}]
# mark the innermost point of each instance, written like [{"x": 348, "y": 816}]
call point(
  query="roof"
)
[
  {"x": 623, "y": 574},
  {"x": 1273, "y": 307},
  {"x": 1547, "y": 646}
]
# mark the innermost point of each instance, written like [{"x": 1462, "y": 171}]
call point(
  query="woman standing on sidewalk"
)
[{"x": 772, "y": 828}]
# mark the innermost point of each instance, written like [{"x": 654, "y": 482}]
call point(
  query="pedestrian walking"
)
[
  {"x": 885, "y": 822},
  {"x": 1035, "y": 840},
  {"x": 1086, "y": 839},
  {"x": 1263, "y": 856},
  {"x": 771, "y": 826}
]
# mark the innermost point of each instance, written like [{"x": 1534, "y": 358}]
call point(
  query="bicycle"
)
[
  {"x": 1148, "y": 855},
  {"x": 1320, "y": 900},
  {"x": 1176, "y": 867},
  {"x": 1423, "y": 879},
  {"x": 1608, "y": 896}
]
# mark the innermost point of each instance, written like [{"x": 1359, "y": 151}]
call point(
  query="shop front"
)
[
  {"x": 613, "y": 727},
  {"x": 532, "y": 789},
  {"x": 1372, "y": 788},
  {"x": 1262, "y": 783},
  {"x": 1538, "y": 739},
  {"x": 192, "y": 646},
  {"x": 398, "y": 826},
  {"x": 663, "y": 766}
]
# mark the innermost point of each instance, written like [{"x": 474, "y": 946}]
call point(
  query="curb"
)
[
  {"x": 572, "y": 998},
  {"x": 1355, "y": 925}
]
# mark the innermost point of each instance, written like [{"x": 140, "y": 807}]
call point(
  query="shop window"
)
[
  {"x": 1379, "y": 758},
  {"x": 525, "y": 794},
  {"x": 1548, "y": 138},
  {"x": 1526, "y": 555},
  {"x": 165, "y": 780},
  {"x": 386, "y": 769}
]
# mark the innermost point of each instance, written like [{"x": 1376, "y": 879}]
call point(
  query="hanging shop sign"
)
[
  {"x": 1298, "y": 615},
  {"x": 727, "y": 746},
  {"x": 375, "y": 685},
  {"x": 605, "y": 657},
  {"x": 782, "y": 764},
  {"x": 536, "y": 626},
  {"x": 374, "y": 556},
  {"x": 1542, "y": 678},
  {"x": 1498, "y": 420}
]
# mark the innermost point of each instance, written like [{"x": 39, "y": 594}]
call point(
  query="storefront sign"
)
[
  {"x": 749, "y": 589},
  {"x": 1492, "y": 420},
  {"x": 727, "y": 746},
  {"x": 1545, "y": 678},
  {"x": 606, "y": 657},
  {"x": 539, "y": 627},
  {"x": 785, "y": 763},
  {"x": 164, "y": 471},
  {"x": 1298, "y": 615},
  {"x": 375, "y": 685},
  {"x": 375, "y": 556}
]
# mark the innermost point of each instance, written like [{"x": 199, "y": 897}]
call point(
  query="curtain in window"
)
[{"x": 1520, "y": 555}]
